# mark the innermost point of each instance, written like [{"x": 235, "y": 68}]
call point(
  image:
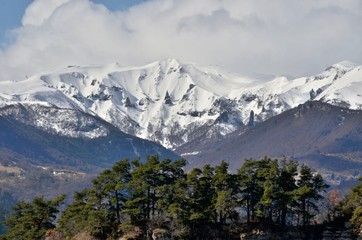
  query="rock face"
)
[
  {"x": 251, "y": 119},
  {"x": 160, "y": 234},
  {"x": 174, "y": 103},
  {"x": 133, "y": 234}
]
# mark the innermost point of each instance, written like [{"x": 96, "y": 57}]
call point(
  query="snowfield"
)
[{"x": 172, "y": 103}]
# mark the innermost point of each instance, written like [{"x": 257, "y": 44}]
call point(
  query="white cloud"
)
[
  {"x": 40, "y": 11},
  {"x": 295, "y": 37}
]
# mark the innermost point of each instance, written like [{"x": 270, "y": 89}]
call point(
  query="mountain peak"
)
[
  {"x": 169, "y": 63},
  {"x": 345, "y": 65},
  {"x": 133, "y": 98}
]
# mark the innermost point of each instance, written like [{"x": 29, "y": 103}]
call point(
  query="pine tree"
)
[
  {"x": 112, "y": 185},
  {"x": 171, "y": 174},
  {"x": 226, "y": 188},
  {"x": 352, "y": 205},
  {"x": 151, "y": 187},
  {"x": 98, "y": 210},
  {"x": 200, "y": 200},
  {"x": 308, "y": 192},
  {"x": 271, "y": 190},
  {"x": 144, "y": 180},
  {"x": 287, "y": 184},
  {"x": 74, "y": 218},
  {"x": 31, "y": 220},
  {"x": 251, "y": 178}
]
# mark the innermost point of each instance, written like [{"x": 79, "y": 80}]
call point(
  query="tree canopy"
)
[
  {"x": 159, "y": 193},
  {"x": 32, "y": 220}
]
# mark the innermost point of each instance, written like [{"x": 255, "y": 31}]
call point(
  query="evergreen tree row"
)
[{"x": 136, "y": 197}]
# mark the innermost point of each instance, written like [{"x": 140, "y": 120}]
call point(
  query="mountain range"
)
[
  {"x": 83, "y": 119},
  {"x": 173, "y": 103}
]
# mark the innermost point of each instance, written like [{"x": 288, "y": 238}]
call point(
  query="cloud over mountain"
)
[{"x": 295, "y": 37}]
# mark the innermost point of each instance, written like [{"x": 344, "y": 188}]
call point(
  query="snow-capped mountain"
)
[
  {"x": 68, "y": 137},
  {"x": 174, "y": 103},
  {"x": 63, "y": 122},
  {"x": 323, "y": 136},
  {"x": 50, "y": 151}
]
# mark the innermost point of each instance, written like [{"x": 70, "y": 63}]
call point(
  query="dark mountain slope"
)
[
  {"x": 327, "y": 137},
  {"x": 46, "y": 156},
  {"x": 71, "y": 144}
]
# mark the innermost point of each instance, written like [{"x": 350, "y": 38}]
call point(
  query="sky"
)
[
  {"x": 298, "y": 38},
  {"x": 11, "y": 12}
]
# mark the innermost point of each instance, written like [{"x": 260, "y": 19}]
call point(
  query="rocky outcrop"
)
[
  {"x": 161, "y": 234},
  {"x": 133, "y": 233}
]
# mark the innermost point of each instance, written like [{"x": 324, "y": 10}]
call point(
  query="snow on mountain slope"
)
[
  {"x": 173, "y": 103},
  {"x": 56, "y": 150},
  {"x": 69, "y": 137},
  {"x": 63, "y": 122},
  {"x": 325, "y": 137}
]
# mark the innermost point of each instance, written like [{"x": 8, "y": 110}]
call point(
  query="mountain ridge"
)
[
  {"x": 327, "y": 138},
  {"x": 46, "y": 150},
  {"x": 173, "y": 103}
]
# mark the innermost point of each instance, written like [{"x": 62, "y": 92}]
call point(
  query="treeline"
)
[{"x": 135, "y": 198}]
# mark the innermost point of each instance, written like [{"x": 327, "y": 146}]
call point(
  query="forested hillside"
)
[{"x": 137, "y": 199}]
